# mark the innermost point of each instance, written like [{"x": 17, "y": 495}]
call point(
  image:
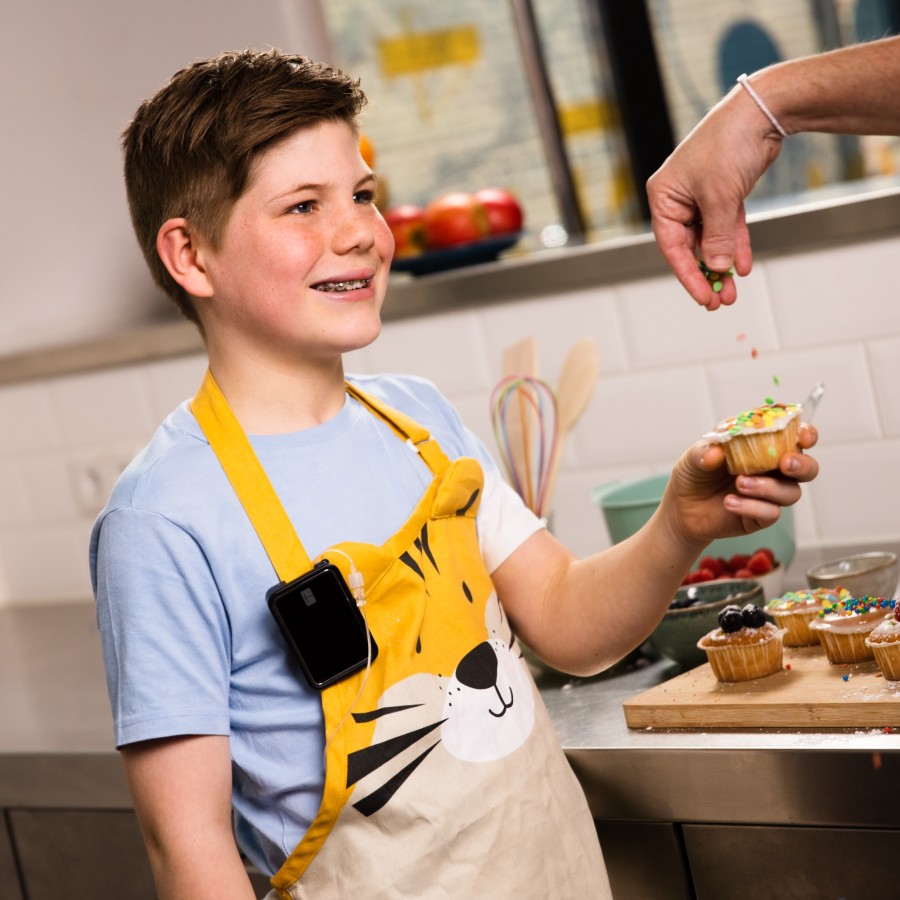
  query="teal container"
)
[{"x": 627, "y": 505}]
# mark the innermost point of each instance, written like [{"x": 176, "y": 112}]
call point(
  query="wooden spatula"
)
[
  {"x": 574, "y": 389},
  {"x": 576, "y": 385}
]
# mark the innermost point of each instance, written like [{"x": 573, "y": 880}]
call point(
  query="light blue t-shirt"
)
[{"x": 180, "y": 579}]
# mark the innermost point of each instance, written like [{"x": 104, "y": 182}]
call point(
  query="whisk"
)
[{"x": 524, "y": 416}]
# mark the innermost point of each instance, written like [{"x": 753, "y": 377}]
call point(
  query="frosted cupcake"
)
[
  {"x": 744, "y": 646},
  {"x": 884, "y": 641},
  {"x": 843, "y": 627},
  {"x": 755, "y": 440},
  {"x": 795, "y": 610}
]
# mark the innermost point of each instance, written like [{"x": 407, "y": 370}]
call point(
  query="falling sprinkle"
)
[
  {"x": 776, "y": 379},
  {"x": 787, "y": 666},
  {"x": 754, "y": 352},
  {"x": 742, "y": 337},
  {"x": 769, "y": 400},
  {"x": 888, "y": 729},
  {"x": 845, "y": 677}
]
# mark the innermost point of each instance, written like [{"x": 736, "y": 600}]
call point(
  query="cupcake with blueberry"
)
[
  {"x": 755, "y": 440},
  {"x": 795, "y": 610},
  {"x": 844, "y": 625},
  {"x": 884, "y": 641},
  {"x": 746, "y": 644}
]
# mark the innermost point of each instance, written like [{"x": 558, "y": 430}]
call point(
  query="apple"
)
[
  {"x": 504, "y": 211},
  {"x": 407, "y": 224},
  {"x": 454, "y": 218}
]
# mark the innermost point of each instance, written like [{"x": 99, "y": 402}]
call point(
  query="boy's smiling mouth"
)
[{"x": 332, "y": 287}]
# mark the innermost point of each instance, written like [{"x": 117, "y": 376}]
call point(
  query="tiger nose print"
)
[{"x": 478, "y": 668}]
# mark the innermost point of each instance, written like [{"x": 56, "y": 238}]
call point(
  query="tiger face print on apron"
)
[{"x": 444, "y": 777}]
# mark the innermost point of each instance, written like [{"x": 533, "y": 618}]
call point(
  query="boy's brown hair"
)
[{"x": 190, "y": 148}]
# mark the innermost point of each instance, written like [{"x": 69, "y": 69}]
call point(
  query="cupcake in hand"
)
[{"x": 754, "y": 441}]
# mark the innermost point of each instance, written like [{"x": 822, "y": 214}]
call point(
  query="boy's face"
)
[{"x": 302, "y": 268}]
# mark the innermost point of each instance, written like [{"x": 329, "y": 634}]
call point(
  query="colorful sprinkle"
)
[
  {"x": 754, "y": 352},
  {"x": 845, "y": 677},
  {"x": 760, "y": 417},
  {"x": 856, "y": 606},
  {"x": 776, "y": 379},
  {"x": 714, "y": 278}
]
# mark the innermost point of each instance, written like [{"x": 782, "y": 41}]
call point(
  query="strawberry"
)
[
  {"x": 760, "y": 563},
  {"x": 738, "y": 561},
  {"x": 768, "y": 553},
  {"x": 714, "y": 565},
  {"x": 698, "y": 575},
  {"x": 743, "y": 573}
]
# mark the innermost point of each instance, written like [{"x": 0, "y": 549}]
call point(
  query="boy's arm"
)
[
  {"x": 182, "y": 794},
  {"x": 582, "y": 615}
]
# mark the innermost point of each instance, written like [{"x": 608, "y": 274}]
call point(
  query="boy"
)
[{"x": 432, "y": 770}]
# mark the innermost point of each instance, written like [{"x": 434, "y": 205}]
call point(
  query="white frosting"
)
[
  {"x": 887, "y": 632},
  {"x": 725, "y": 431},
  {"x": 853, "y": 624}
]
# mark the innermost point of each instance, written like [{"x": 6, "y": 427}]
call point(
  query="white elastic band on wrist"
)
[{"x": 744, "y": 82}]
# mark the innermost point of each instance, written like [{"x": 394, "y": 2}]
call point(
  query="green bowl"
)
[
  {"x": 627, "y": 505},
  {"x": 676, "y": 636}
]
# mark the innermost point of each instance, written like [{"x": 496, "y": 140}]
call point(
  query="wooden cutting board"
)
[{"x": 809, "y": 692}]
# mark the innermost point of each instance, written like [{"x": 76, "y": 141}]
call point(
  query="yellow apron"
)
[{"x": 444, "y": 777}]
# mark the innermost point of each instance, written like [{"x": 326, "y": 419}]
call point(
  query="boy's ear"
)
[{"x": 183, "y": 258}]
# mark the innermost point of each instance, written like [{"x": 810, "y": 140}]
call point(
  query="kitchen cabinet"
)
[
  {"x": 80, "y": 853},
  {"x": 645, "y": 860},
  {"x": 744, "y": 863},
  {"x": 9, "y": 878},
  {"x": 84, "y": 853}
]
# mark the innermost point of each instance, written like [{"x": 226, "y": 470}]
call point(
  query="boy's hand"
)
[{"x": 708, "y": 503}]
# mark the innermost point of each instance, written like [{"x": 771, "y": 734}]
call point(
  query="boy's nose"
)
[{"x": 354, "y": 231}]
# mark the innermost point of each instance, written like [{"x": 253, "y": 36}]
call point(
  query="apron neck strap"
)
[
  {"x": 252, "y": 486},
  {"x": 407, "y": 429}
]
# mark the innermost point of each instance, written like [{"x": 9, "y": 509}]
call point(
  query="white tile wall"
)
[{"x": 669, "y": 370}]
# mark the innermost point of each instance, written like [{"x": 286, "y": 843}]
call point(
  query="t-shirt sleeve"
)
[
  {"x": 504, "y": 521},
  {"x": 165, "y": 635}
]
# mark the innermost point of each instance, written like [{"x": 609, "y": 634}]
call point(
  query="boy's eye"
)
[
  {"x": 304, "y": 206},
  {"x": 363, "y": 197}
]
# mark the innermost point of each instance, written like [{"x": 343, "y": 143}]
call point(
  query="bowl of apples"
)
[{"x": 457, "y": 229}]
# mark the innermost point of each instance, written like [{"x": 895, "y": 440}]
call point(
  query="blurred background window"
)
[{"x": 459, "y": 97}]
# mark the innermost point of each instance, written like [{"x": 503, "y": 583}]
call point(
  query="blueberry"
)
[
  {"x": 753, "y": 616},
  {"x": 730, "y": 619}
]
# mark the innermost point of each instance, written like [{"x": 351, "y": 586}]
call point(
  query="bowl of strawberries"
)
[{"x": 761, "y": 566}]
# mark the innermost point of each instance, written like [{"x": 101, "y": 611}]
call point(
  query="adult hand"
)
[{"x": 697, "y": 196}]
